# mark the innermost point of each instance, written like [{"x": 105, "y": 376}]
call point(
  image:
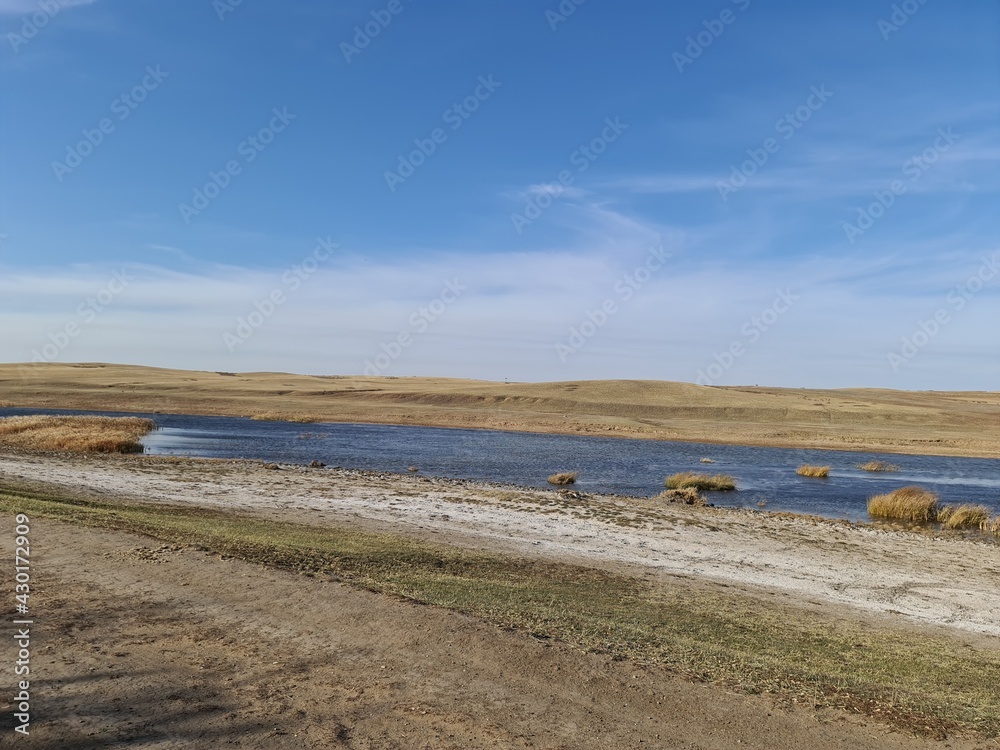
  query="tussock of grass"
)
[
  {"x": 905, "y": 504},
  {"x": 918, "y": 681},
  {"x": 820, "y": 472},
  {"x": 75, "y": 433},
  {"x": 700, "y": 482},
  {"x": 966, "y": 516},
  {"x": 687, "y": 496},
  {"x": 994, "y": 526},
  {"x": 877, "y": 466},
  {"x": 562, "y": 478}
]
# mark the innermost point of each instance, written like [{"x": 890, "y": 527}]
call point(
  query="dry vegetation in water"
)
[
  {"x": 700, "y": 482},
  {"x": 563, "y": 478},
  {"x": 877, "y": 466},
  {"x": 966, "y": 516},
  {"x": 820, "y": 472},
  {"x": 918, "y": 505},
  {"x": 905, "y": 504},
  {"x": 74, "y": 433}
]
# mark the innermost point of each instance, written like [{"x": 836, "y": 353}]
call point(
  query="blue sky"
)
[{"x": 736, "y": 192}]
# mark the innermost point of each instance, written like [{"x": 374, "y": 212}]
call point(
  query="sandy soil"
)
[
  {"x": 143, "y": 646},
  {"x": 944, "y": 580},
  {"x": 140, "y": 644},
  {"x": 937, "y": 423}
]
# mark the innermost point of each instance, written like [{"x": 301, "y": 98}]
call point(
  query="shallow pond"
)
[{"x": 765, "y": 476}]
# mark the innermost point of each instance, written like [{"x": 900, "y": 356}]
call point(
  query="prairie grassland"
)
[
  {"x": 700, "y": 482},
  {"x": 75, "y": 433},
  {"x": 905, "y": 504},
  {"x": 820, "y": 472},
  {"x": 870, "y": 420}
]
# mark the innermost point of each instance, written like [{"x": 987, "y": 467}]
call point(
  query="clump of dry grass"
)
[
  {"x": 78, "y": 434},
  {"x": 994, "y": 526},
  {"x": 877, "y": 466},
  {"x": 966, "y": 516},
  {"x": 273, "y": 416},
  {"x": 700, "y": 481},
  {"x": 905, "y": 504},
  {"x": 562, "y": 478},
  {"x": 821, "y": 472},
  {"x": 687, "y": 496}
]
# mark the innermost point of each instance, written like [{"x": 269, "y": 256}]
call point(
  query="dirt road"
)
[{"x": 148, "y": 647}]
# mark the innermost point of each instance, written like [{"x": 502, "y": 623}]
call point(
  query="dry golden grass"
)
[
  {"x": 966, "y": 516},
  {"x": 563, "y": 478},
  {"x": 877, "y": 466},
  {"x": 905, "y": 504},
  {"x": 270, "y": 416},
  {"x": 870, "y": 420},
  {"x": 994, "y": 526},
  {"x": 821, "y": 472},
  {"x": 73, "y": 433},
  {"x": 700, "y": 482}
]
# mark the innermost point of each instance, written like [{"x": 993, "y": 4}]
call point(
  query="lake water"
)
[{"x": 610, "y": 465}]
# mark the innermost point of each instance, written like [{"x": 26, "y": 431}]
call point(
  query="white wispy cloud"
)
[{"x": 22, "y": 7}]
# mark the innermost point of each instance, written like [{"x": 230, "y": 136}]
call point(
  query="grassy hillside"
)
[{"x": 942, "y": 423}]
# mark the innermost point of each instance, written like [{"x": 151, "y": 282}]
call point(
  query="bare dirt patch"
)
[{"x": 181, "y": 649}]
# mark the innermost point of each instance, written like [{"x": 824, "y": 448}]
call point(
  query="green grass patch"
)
[{"x": 919, "y": 682}]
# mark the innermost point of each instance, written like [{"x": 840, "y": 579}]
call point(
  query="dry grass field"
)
[
  {"x": 77, "y": 434},
  {"x": 936, "y": 423}
]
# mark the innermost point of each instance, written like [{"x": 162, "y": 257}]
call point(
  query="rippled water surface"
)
[{"x": 629, "y": 467}]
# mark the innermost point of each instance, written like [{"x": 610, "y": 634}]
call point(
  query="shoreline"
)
[
  {"x": 743, "y": 547},
  {"x": 781, "y": 616},
  {"x": 854, "y": 420}
]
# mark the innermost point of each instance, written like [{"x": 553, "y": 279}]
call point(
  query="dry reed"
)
[{"x": 75, "y": 433}]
